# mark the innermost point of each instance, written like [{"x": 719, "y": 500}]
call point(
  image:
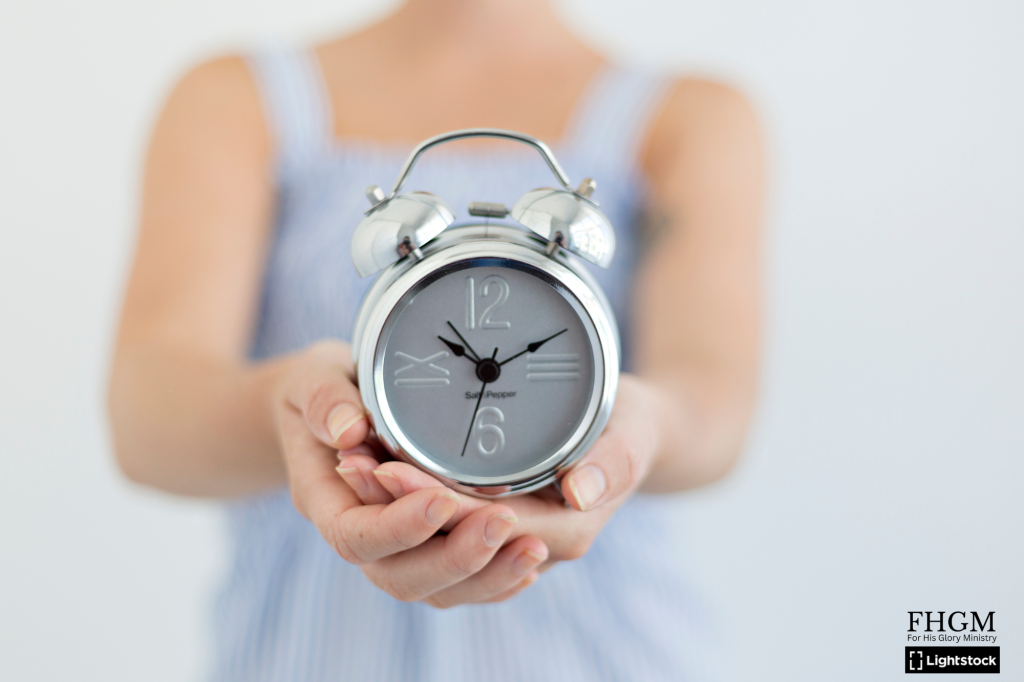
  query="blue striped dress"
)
[{"x": 290, "y": 608}]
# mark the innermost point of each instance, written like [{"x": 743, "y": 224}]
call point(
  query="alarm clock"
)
[{"x": 485, "y": 353}]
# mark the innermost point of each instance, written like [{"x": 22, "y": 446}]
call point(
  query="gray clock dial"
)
[{"x": 488, "y": 367}]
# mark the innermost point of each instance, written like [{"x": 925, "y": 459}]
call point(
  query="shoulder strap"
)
[
  {"x": 615, "y": 115},
  {"x": 296, "y": 104}
]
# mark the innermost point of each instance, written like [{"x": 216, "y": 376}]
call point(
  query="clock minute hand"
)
[
  {"x": 476, "y": 357},
  {"x": 533, "y": 347}
]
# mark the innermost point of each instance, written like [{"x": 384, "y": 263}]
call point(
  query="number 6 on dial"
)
[{"x": 483, "y": 428}]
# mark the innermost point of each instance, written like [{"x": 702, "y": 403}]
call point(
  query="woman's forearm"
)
[
  {"x": 701, "y": 422},
  {"x": 195, "y": 425}
]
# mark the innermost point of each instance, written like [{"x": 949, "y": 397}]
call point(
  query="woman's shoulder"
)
[
  {"x": 697, "y": 113},
  {"x": 215, "y": 102}
]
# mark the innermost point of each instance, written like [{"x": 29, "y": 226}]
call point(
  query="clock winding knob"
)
[
  {"x": 587, "y": 187},
  {"x": 375, "y": 194}
]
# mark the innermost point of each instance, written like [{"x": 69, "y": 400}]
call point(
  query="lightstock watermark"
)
[{"x": 966, "y": 628}]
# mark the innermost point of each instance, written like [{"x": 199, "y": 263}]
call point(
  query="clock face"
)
[{"x": 488, "y": 368}]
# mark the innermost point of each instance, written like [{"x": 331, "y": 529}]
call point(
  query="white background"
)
[{"x": 884, "y": 468}]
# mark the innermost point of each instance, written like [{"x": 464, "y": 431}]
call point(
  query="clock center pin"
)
[{"x": 488, "y": 370}]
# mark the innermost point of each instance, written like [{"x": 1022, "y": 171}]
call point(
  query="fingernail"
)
[
  {"x": 498, "y": 528},
  {"x": 526, "y": 562},
  {"x": 355, "y": 480},
  {"x": 390, "y": 482},
  {"x": 342, "y": 418},
  {"x": 588, "y": 485},
  {"x": 441, "y": 508}
]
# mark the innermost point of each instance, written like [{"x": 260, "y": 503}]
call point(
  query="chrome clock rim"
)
[{"x": 452, "y": 248}]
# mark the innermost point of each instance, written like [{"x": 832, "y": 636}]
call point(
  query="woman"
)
[{"x": 232, "y": 377}]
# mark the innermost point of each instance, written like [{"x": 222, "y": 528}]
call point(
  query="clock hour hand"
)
[
  {"x": 533, "y": 347},
  {"x": 457, "y": 349},
  {"x": 475, "y": 358}
]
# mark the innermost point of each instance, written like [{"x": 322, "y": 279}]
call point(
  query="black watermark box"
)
[{"x": 951, "y": 659}]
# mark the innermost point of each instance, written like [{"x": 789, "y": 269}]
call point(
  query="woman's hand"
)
[
  {"x": 614, "y": 468},
  {"x": 318, "y": 412}
]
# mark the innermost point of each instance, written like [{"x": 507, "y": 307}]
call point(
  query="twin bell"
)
[{"x": 397, "y": 225}]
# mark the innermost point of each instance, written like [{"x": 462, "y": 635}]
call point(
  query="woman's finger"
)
[
  {"x": 620, "y": 458},
  {"x": 367, "y": 533},
  {"x": 317, "y": 491},
  {"x": 609, "y": 470},
  {"x": 508, "y": 594},
  {"x": 356, "y": 468},
  {"x": 506, "y": 570},
  {"x": 400, "y": 479},
  {"x": 326, "y": 395},
  {"x": 444, "y": 560}
]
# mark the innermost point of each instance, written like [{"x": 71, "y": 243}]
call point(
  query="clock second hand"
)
[{"x": 476, "y": 409}]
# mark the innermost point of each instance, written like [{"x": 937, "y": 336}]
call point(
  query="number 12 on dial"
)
[{"x": 493, "y": 286}]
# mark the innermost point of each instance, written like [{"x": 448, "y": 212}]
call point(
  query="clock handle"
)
[{"x": 481, "y": 132}]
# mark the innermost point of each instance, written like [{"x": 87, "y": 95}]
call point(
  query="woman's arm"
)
[
  {"x": 189, "y": 415},
  {"x": 697, "y": 296}
]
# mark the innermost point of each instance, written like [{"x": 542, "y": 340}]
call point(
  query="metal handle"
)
[{"x": 481, "y": 132}]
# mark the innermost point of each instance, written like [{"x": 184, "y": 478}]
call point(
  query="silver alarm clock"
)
[{"x": 485, "y": 353}]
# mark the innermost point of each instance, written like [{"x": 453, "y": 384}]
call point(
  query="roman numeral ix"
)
[{"x": 436, "y": 376}]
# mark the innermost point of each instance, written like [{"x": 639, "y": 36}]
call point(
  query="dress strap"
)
[
  {"x": 615, "y": 115},
  {"x": 296, "y": 103}
]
